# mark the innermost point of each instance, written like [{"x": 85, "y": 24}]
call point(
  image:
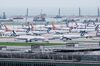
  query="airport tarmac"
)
[
  {"x": 7, "y": 39},
  {"x": 14, "y": 40},
  {"x": 93, "y": 39}
]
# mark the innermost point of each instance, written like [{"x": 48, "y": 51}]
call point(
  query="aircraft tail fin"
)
[
  {"x": 32, "y": 27},
  {"x": 7, "y": 29},
  {"x": 53, "y": 26}
]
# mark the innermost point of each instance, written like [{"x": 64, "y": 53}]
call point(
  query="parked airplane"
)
[
  {"x": 29, "y": 38},
  {"x": 37, "y": 31},
  {"x": 83, "y": 29},
  {"x": 10, "y": 30},
  {"x": 82, "y": 34},
  {"x": 71, "y": 36},
  {"x": 57, "y": 29},
  {"x": 13, "y": 32},
  {"x": 64, "y": 37}
]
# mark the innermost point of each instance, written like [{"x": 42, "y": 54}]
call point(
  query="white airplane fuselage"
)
[{"x": 29, "y": 38}]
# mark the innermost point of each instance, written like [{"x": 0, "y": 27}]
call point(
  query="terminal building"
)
[{"x": 38, "y": 55}]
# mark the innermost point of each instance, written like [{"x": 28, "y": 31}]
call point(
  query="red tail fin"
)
[
  {"x": 7, "y": 29},
  {"x": 53, "y": 26},
  {"x": 32, "y": 27}
]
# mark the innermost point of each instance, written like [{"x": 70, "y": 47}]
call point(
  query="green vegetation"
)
[{"x": 27, "y": 44}]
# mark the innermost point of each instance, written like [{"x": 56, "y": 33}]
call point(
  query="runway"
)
[{"x": 94, "y": 39}]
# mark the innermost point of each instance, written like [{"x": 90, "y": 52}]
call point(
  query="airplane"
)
[
  {"x": 57, "y": 29},
  {"x": 64, "y": 36},
  {"x": 17, "y": 32},
  {"x": 71, "y": 36},
  {"x": 36, "y": 30},
  {"x": 13, "y": 33},
  {"x": 3, "y": 33},
  {"x": 29, "y": 38},
  {"x": 82, "y": 34},
  {"x": 10, "y": 30},
  {"x": 83, "y": 29}
]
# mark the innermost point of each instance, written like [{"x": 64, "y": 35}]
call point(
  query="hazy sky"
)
[
  {"x": 68, "y": 7},
  {"x": 48, "y": 3}
]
